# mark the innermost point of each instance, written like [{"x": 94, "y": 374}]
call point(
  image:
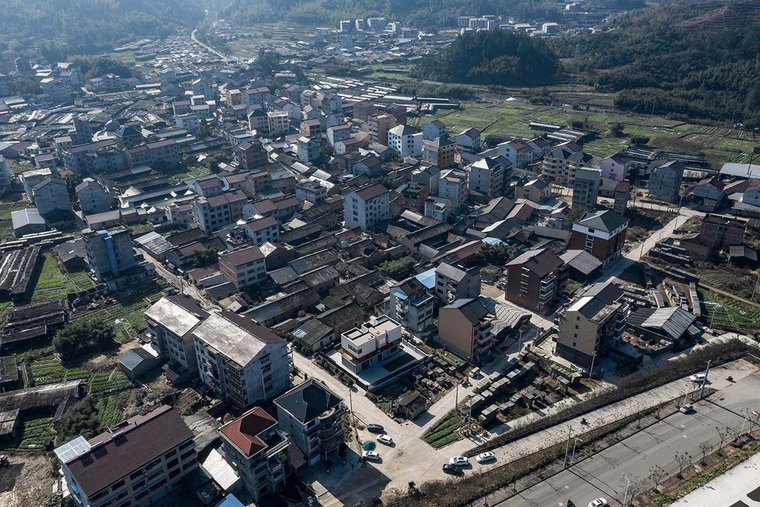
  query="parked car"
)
[
  {"x": 375, "y": 428},
  {"x": 699, "y": 378},
  {"x": 371, "y": 455},
  {"x": 485, "y": 457},
  {"x": 452, "y": 469},
  {"x": 687, "y": 409},
  {"x": 385, "y": 439},
  {"x": 599, "y": 502},
  {"x": 459, "y": 461}
]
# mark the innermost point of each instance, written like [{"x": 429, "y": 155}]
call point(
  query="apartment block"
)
[
  {"x": 536, "y": 279},
  {"x": 312, "y": 416},
  {"x": 455, "y": 282},
  {"x": 366, "y": 207},
  {"x": 171, "y": 321},
  {"x": 586, "y": 188},
  {"x": 241, "y": 361},
  {"x": 214, "y": 213},
  {"x": 602, "y": 234},
  {"x": 411, "y": 305},
  {"x": 245, "y": 267},
  {"x": 133, "y": 464},
  {"x": 109, "y": 252},
  {"x": 465, "y": 327}
]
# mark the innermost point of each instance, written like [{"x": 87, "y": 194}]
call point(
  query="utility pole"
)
[
  {"x": 351, "y": 409},
  {"x": 575, "y": 443},
  {"x": 627, "y": 487},
  {"x": 704, "y": 381},
  {"x": 591, "y": 370},
  {"x": 567, "y": 447}
]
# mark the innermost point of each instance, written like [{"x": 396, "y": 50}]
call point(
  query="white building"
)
[
  {"x": 405, "y": 141},
  {"x": 452, "y": 185},
  {"x": 370, "y": 343},
  {"x": 240, "y": 360},
  {"x": 93, "y": 197},
  {"x": 366, "y": 207}
]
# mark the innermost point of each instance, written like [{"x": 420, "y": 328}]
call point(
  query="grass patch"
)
[
  {"x": 111, "y": 409},
  {"x": 108, "y": 381},
  {"x": 49, "y": 370},
  {"x": 52, "y": 285},
  {"x": 35, "y": 432},
  {"x": 445, "y": 432}
]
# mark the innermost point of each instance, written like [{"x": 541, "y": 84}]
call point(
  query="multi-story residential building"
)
[
  {"x": 413, "y": 196},
  {"x": 560, "y": 164},
  {"x": 405, "y": 141},
  {"x": 370, "y": 344},
  {"x": 710, "y": 190},
  {"x": 244, "y": 268},
  {"x": 109, "y": 252},
  {"x": 452, "y": 185},
  {"x": 128, "y": 136},
  {"x": 213, "y": 213},
  {"x": 312, "y": 416},
  {"x": 602, "y": 234},
  {"x": 468, "y": 140},
  {"x": 258, "y": 121},
  {"x": 241, "y": 361},
  {"x": 434, "y": 130},
  {"x": 440, "y": 152},
  {"x": 592, "y": 323},
  {"x": 536, "y": 279},
  {"x": 250, "y": 155},
  {"x": 465, "y": 327},
  {"x": 665, "y": 181},
  {"x": 411, "y": 305},
  {"x": 93, "y": 197},
  {"x": 366, "y": 207},
  {"x": 586, "y": 188},
  {"x": 427, "y": 175},
  {"x": 278, "y": 123},
  {"x": 518, "y": 153},
  {"x": 171, "y": 321},
  {"x": 133, "y": 464},
  {"x": 208, "y": 186},
  {"x": 307, "y": 150},
  {"x": 258, "y": 450},
  {"x": 722, "y": 231},
  {"x": 82, "y": 131},
  {"x": 261, "y": 230},
  {"x": 51, "y": 195},
  {"x": 30, "y": 179},
  {"x": 454, "y": 282},
  {"x": 487, "y": 177},
  {"x": 311, "y": 128},
  {"x": 536, "y": 190},
  {"x": 338, "y": 133},
  {"x": 615, "y": 168},
  {"x": 378, "y": 127},
  {"x": 311, "y": 191},
  {"x": 622, "y": 194}
]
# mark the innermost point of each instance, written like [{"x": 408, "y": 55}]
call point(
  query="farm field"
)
[
  {"x": 127, "y": 315},
  {"x": 35, "y": 432},
  {"x": 52, "y": 285},
  {"x": 731, "y": 315}
]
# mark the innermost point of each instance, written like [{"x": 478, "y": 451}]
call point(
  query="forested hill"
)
[
  {"x": 418, "y": 13},
  {"x": 493, "y": 58},
  {"x": 696, "y": 60},
  {"x": 86, "y": 26}
]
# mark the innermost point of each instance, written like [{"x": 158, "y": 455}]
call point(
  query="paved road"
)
[{"x": 600, "y": 475}]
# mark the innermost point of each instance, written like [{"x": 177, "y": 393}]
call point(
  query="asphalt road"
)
[{"x": 601, "y": 475}]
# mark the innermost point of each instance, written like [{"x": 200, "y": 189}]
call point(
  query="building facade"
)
[
  {"x": 93, "y": 197},
  {"x": 244, "y": 268},
  {"x": 665, "y": 181},
  {"x": 602, "y": 234},
  {"x": 412, "y": 305},
  {"x": 370, "y": 343},
  {"x": 465, "y": 327},
  {"x": 453, "y": 282},
  {"x": 366, "y": 207},
  {"x": 133, "y": 464},
  {"x": 586, "y": 188},
  {"x": 536, "y": 279},
  {"x": 109, "y": 252},
  {"x": 214, "y": 213},
  {"x": 171, "y": 321}
]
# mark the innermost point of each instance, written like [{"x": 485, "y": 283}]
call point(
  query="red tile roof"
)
[{"x": 243, "y": 432}]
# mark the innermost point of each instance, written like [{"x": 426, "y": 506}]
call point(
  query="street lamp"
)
[{"x": 627, "y": 487}]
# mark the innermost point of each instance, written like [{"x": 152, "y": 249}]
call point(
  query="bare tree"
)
[
  {"x": 723, "y": 433},
  {"x": 754, "y": 419},
  {"x": 656, "y": 475},
  {"x": 705, "y": 448},
  {"x": 683, "y": 459}
]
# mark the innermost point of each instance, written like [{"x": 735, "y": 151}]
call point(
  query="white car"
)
[
  {"x": 459, "y": 461},
  {"x": 687, "y": 409},
  {"x": 599, "y": 502},
  {"x": 385, "y": 439},
  {"x": 698, "y": 378},
  {"x": 485, "y": 457},
  {"x": 371, "y": 455}
]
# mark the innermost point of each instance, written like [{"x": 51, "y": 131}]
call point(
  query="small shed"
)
[
  {"x": 137, "y": 362},
  {"x": 410, "y": 405}
]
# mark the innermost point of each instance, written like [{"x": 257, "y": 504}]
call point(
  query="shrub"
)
[{"x": 82, "y": 337}]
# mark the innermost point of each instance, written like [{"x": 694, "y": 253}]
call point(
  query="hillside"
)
[
  {"x": 419, "y": 13},
  {"x": 87, "y": 26},
  {"x": 695, "y": 60}
]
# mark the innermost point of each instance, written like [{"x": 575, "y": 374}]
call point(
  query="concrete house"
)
[
  {"x": 465, "y": 328},
  {"x": 602, "y": 234},
  {"x": 536, "y": 279},
  {"x": 665, "y": 181},
  {"x": 93, "y": 197},
  {"x": 366, "y": 207}
]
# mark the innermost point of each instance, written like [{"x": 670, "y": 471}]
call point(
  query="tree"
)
[
  {"x": 79, "y": 419},
  {"x": 82, "y": 337},
  {"x": 656, "y": 475},
  {"x": 575, "y": 214},
  {"x": 617, "y": 130},
  {"x": 705, "y": 448},
  {"x": 723, "y": 433},
  {"x": 205, "y": 257},
  {"x": 497, "y": 255},
  {"x": 204, "y": 130},
  {"x": 400, "y": 268},
  {"x": 639, "y": 140},
  {"x": 268, "y": 62},
  {"x": 683, "y": 460}
]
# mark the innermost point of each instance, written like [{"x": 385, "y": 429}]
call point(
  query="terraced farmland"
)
[
  {"x": 731, "y": 315},
  {"x": 108, "y": 381},
  {"x": 35, "y": 432},
  {"x": 52, "y": 285},
  {"x": 49, "y": 370}
]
